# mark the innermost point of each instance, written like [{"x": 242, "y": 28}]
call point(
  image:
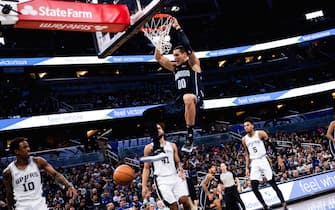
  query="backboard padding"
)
[{"x": 108, "y": 43}]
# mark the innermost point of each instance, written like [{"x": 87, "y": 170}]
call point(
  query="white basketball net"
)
[{"x": 157, "y": 30}]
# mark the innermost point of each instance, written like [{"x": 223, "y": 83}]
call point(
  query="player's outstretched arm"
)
[
  {"x": 164, "y": 61},
  {"x": 59, "y": 178},
  {"x": 193, "y": 59},
  {"x": 263, "y": 135},
  {"x": 246, "y": 156},
  {"x": 7, "y": 180},
  {"x": 330, "y": 131},
  {"x": 146, "y": 172}
]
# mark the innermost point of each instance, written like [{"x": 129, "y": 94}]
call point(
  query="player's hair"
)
[
  {"x": 181, "y": 48},
  {"x": 248, "y": 120},
  {"x": 162, "y": 124},
  {"x": 15, "y": 144}
]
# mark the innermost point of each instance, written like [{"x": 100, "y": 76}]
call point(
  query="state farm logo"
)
[
  {"x": 28, "y": 10},
  {"x": 55, "y": 12}
]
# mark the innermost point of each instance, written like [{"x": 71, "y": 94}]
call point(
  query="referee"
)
[{"x": 231, "y": 189}]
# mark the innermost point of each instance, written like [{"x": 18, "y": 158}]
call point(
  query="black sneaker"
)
[
  {"x": 158, "y": 154},
  {"x": 188, "y": 146}
]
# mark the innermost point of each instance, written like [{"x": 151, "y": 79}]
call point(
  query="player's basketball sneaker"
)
[
  {"x": 188, "y": 146},
  {"x": 158, "y": 154}
]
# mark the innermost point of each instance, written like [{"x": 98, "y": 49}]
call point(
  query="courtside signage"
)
[
  {"x": 73, "y": 117},
  {"x": 72, "y": 16},
  {"x": 266, "y": 97},
  {"x": 293, "y": 190}
]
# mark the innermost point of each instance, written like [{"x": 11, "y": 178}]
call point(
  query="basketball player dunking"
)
[
  {"x": 187, "y": 72},
  {"x": 169, "y": 176},
  {"x": 22, "y": 178},
  {"x": 331, "y": 136},
  {"x": 255, "y": 151}
]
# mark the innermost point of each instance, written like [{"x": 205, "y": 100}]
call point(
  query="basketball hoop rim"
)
[
  {"x": 156, "y": 16},
  {"x": 162, "y": 15}
]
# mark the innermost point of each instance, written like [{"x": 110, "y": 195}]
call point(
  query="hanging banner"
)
[{"x": 72, "y": 16}]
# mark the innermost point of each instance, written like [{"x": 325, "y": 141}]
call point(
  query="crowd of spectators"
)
[
  {"x": 97, "y": 190},
  {"x": 22, "y": 101},
  {"x": 295, "y": 66}
]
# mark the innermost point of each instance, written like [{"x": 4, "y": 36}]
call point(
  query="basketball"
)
[{"x": 123, "y": 174}]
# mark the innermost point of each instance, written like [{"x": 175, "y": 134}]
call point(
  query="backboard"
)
[{"x": 141, "y": 11}]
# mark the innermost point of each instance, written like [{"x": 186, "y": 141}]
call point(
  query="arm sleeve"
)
[
  {"x": 183, "y": 39},
  {"x": 273, "y": 146}
]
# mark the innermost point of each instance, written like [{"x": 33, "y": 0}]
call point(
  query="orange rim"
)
[
  {"x": 158, "y": 15},
  {"x": 162, "y": 15}
]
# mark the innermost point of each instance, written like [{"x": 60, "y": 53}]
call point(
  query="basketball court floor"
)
[{"x": 318, "y": 202}]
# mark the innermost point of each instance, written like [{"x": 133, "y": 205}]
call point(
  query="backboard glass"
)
[{"x": 141, "y": 11}]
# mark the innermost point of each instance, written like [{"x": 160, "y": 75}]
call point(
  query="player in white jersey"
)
[
  {"x": 169, "y": 176},
  {"x": 22, "y": 178},
  {"x": 331, "y": 136},
  {"x": 255, "y": 151}
]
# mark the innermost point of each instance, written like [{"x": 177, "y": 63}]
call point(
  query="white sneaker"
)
[
  {"x": 153, "y": 158},
  {"x": 187, "y": 148}
]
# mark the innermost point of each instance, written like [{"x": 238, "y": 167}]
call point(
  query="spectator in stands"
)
[
  {"x": 106, "y": 197},
  {"x": 136, "y": 202},
  {"x": 110, "y": 206},
  {"x": 284, "y": 177},
  {"x": 58, "y": 198},
  {"x": 161, "y": 206},
  {"x": 247, "y": 186}
]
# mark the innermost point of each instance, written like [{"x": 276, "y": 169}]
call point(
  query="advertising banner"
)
[
  {"x": 293, "y": 190},
  {"x": 72, "y": 16}
]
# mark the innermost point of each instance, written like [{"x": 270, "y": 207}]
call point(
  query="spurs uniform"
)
[
  {"x": 188, "y": 81},
  {"x": 27, "y": 187},
  {"x": 170, "y": 187},
  {"x": 257, "y": 153}
]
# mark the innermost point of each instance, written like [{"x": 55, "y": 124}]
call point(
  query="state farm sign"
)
[
  {"x": 72, "y": 16},
  {"x": 49, "y": 12}
]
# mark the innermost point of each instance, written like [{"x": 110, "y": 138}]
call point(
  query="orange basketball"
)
[{"x": 123, "y": 174}]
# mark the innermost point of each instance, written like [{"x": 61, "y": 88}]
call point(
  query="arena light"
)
[
  {"x": 280, "y": 106},
  {"x": 222, "y": 63},
  {"x": 81, "y": 73},
  {"x": 42, "y": 74},
  {"x": 175, "y": 9},
  {"x": 239, "y": 113},
  {"x": 314, "y": 15}
]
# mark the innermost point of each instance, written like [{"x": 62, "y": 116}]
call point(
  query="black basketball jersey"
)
[
  {"x": 188, "y": 81},
  {"x": 203, "y": 198}
]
